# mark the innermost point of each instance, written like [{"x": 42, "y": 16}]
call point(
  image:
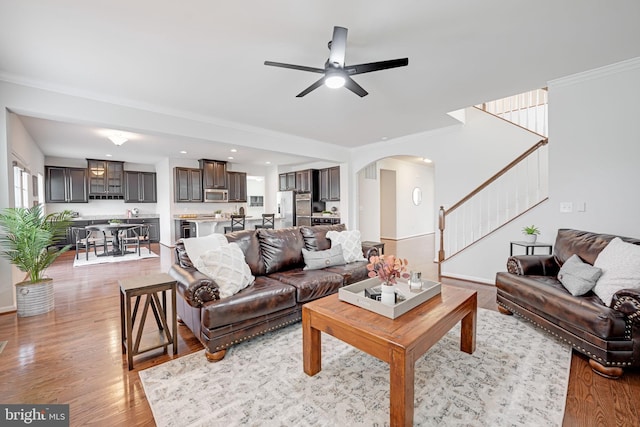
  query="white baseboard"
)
[
  {"x": 8, "y": 309},
  {"x": 469, "y": 278}
]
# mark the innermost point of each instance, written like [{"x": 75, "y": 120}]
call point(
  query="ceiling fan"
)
[{"x": 336, "y": 74}]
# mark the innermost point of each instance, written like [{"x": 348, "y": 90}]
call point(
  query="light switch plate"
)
[{"x": 566, "y": 207}]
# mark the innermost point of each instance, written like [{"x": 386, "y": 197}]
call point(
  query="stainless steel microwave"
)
[{"x": 216, "y": 195}]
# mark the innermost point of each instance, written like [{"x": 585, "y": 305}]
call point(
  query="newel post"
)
[{"x": 441, "y": 215}]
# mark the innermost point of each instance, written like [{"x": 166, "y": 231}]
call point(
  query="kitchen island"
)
[{"x": 203, "y": 225}]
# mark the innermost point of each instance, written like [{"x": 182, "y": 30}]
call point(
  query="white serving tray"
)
[{"x": 354, "y": 294}]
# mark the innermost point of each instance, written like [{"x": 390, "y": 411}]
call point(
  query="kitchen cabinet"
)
[
  {"x": 140, "y": 187},
  {"x": 237, "y": 186},
  {"x": 65, "y": 185},
  {"x": 330, "y": 184},
  {"x": 214, "y": 174},
  {"x": 306, "y": 180},
  {"x": 106, "y": 180},
  {"x": 287, "y": 181},
  {"x": 187, "y": 185}
]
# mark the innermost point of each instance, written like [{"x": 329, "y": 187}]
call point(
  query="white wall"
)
[
  {"x": 25, "y": 151},
  {"x": 463, "y": 156},
  {"x": 594, "y": 145}
]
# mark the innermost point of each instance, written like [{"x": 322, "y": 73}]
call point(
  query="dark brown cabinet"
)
[
  {"x": 187, "y": 185},
  {"x": 237, "y": 186},
  {"x": 106, "y": 180},
  {"x": 306, "y": 180},
  {"x": 65, "y": 185},
  {"x": 214, "y": 174},
  {"x": 287, "y": 181},
  {"x": 330, "y": 184},
  {"x": 140, "y": 187}
]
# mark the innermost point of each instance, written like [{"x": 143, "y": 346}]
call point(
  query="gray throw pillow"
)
[
  {"x": 578, "y": 276},
  {"x": 316, "y": 260}
]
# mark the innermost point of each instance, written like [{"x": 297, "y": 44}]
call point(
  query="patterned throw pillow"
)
[
  {"x": 316, "y": 260},
  {"x": 578, "y": 276},
  {"x": 227, "y": 266},
  {"x": 620, "y": 264},
  {"x": 350, "y": 242},
  {"x": 198, "y": 246}
]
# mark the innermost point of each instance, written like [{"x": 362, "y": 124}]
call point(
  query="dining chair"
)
[
  {"x": 129, "y": 238},
  {"x": 84, "y": 239},
  {"x": 237, "y": 224},
  {"x": 144, "y": 235},
  {"x": 267, "y": 221}
]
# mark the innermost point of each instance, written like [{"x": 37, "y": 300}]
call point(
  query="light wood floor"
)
[{"x": 73, "y": 354}]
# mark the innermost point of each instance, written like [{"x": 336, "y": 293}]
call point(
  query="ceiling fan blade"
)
[
  {"x": 314, "y": 86},
  {"x": 338, "y": 46},
  {"x": 354, "y": 87},
  {"x": 375, "y": 66},
  {"x": 294, "y": 67}
]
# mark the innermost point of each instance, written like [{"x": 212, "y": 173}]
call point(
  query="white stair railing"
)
[
  {"x": 515, "y": 189},
  {"x": 528, "y": 110}
]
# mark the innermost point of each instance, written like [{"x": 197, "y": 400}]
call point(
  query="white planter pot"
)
[
  {"x": 34, "y": 298},
  {"x": 530, "y": 238}
]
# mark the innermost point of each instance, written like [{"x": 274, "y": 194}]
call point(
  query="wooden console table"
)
[{"x": 149, "y": 286}]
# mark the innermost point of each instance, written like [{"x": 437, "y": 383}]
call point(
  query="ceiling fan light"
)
[{"x": 334, "y": 81}]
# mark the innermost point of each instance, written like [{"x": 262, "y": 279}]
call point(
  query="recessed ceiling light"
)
[
  {"x": 230, "y": 157},
  {"x": 108, "y": 155},
  {"x": 267, "y": 163},
  {"x": 233, "y": 150},
  {"x": 183, "y": 152},
  {"x": 384, "y": 138},
  {"x": 427, "y": 160}
]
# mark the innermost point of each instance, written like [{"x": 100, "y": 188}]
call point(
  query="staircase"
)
[
  {"x": 515, "y": 189},
  {"x": 528, "y": 110}
]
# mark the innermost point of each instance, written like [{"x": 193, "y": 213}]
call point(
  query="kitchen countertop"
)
[
  {"x": 212, "y": 218},
  {"x": 108, "y": 217}
]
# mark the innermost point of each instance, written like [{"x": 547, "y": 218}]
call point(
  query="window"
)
[
  {"x": 256, "y": 200},
  {"x": 21, "y": 181}
]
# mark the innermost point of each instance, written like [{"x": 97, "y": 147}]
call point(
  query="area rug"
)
[
  {"x": 517, "y": 376},
  {"x": 93, "y": 259}
]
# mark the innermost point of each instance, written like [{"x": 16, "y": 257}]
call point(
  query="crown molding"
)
[{"x": 596, "y": 73}]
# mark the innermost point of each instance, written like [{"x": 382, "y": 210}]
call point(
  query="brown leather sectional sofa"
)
[
  {"x": 276, "y": 297},
  {"x": 609, "y": 336}
]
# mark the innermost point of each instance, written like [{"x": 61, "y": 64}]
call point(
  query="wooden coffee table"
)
[{"x": 399, "y": 342}]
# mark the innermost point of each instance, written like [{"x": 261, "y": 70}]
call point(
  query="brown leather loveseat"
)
[
  {"x": 609, "y": 336},
  {"x": 276, "y": 297}
]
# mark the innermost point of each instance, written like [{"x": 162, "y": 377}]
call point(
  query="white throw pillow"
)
[
  {"x": 620, "y": 265},
  {"x": 315, "y": 260},
  {"x": 350, "y": 242},
  {"x": 198, "y": 246},
  {"x": 227, "y": 266},
  {"x": 577, "y": 276}
]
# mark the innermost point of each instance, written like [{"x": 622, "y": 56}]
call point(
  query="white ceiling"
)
[{"x": 205, "y": 58}]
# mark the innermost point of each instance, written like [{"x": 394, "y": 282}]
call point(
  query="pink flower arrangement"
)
[{"x": 387, "y": 268}]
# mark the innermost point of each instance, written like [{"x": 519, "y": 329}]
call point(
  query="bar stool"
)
[
  {"x": 237, "y": 224},
  {"x": 267, "y": 221}
]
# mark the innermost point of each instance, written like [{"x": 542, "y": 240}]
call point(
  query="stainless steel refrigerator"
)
[{"x": 286, "y": 201}]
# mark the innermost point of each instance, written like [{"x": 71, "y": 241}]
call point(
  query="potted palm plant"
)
[{"x": 28, "y": 239}]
